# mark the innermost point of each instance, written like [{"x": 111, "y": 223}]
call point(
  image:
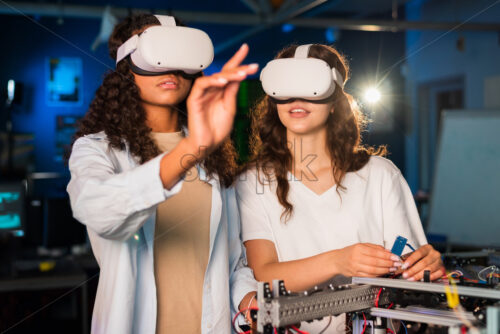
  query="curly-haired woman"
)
[
  {"x": 153, "y": 186},
  {"x": 315, "y": 203}
]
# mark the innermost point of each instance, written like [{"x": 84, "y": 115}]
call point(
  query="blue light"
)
[
  {"x": 287, "y": 27},
  {"x": 9, "y": 221},
  {"x": 332, "y": 34}
]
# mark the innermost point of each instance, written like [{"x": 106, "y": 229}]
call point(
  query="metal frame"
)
[
  {"x": 95, "y": 12},
  {"x": 428, "y": 287}
]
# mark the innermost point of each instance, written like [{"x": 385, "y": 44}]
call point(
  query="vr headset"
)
[
  {"x": 300, "y": 77},
  {"x": 166, "y": 48}
]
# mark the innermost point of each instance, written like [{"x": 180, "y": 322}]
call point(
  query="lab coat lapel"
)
[{"x": 216, "y": 211}]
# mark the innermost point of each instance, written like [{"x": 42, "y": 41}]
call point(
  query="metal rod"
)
[
  {"x": 428, "y": 287},
  {"x": 441, "y": 320},
  {"x": 95, "y": 12}
]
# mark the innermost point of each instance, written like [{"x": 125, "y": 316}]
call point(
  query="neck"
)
[
  {"x": 309, "y": 152},
  {"x": 161, "y": 118}
]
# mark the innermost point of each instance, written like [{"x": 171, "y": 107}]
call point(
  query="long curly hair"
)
[
  {"x": 117, "y": 110},
  {"x": 270, "y": 153}
]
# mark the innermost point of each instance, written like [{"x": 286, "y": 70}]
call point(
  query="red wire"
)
[
  {"x": 378, "y": 296},
  {"x": 364, "y": 325},
  {"x": 298, "y": 330},
  {"x": 390, "y": 331},
  {"x": 392, "y": 304},
  {"x": 236, "y": 316}
]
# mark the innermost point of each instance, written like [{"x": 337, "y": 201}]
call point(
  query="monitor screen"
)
[{"x": 11, "y": 206}]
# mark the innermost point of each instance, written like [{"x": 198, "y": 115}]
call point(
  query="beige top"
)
[{"x": 181, "y": 250}]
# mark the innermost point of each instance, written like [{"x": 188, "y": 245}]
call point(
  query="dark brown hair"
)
[
  {"x": 270, "y": 153},
  {"x": 117, "y": 110}
]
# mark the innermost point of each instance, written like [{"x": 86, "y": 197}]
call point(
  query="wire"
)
[
  {"x": 298, "y": 330},
  {"x": 364, "y": 325},
  {"x": 411, "y": 247},
  {"x": 388, "y": 330},
  {"x": 494, "y": 270},
  {"x": 404, "y": 326},
  {"x": 378, "y": 296},
  {"x": 236, "y": 316},
  {"x": 327, "y": 325}
]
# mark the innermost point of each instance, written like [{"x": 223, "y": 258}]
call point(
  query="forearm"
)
[
  {"x": 178, "y": 161},
  {"x": 300, "y": 275}
]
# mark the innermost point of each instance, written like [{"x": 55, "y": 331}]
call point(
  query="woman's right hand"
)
[
  {"x": 365, "y": 260},
  {"x": 212, "y": 104}
]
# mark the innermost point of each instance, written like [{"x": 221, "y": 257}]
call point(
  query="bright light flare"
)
[{"x": 372, "y": 95}]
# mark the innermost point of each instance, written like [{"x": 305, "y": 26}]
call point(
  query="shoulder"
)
[
  {"x": 379, "y": 166},
  {"x": 98, "y": 138},
  {"x": 96, "y": 144},
  {"x": 254, "y": 180}
]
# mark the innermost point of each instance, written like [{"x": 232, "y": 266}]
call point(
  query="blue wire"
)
[
  {"x": 404, "y": 326},
  {"x": 411, "y": 247}
]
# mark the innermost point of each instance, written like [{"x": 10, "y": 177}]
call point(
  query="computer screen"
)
[{"x": 11, "y": 206}]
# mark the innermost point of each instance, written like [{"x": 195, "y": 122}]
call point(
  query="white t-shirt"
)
[{"x": 376, "y": 207}]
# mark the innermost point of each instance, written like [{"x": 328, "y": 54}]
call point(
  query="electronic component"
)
[{"x": 399, "y": 245}]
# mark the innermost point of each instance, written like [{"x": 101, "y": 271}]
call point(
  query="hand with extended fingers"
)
[{"x": 212, "y": 103}]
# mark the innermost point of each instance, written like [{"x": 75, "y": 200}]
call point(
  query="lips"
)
[
  {"x": 168, "y": 83},
  {"x": 298, "y": 112}
]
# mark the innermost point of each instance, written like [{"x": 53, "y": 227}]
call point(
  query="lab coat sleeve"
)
[
  {"x": 242, "y": 280},
  {"x": 114, "y": 204}
]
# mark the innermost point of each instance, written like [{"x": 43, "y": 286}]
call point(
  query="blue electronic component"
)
[{"x": 399, "y": 245}]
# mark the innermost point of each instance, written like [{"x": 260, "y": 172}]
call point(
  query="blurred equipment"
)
[
  {"x": 50, "y": 222},
  {"x": 108, "y": 23},
  {"x": 12, "y": 210},
  {"x": 14, "y": 96},
  {"x": 464, "y": 199}
]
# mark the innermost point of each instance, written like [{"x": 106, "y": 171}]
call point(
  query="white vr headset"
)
[
  {"x": 167, "y": 48},
  {"x": 300, "y": 77}
]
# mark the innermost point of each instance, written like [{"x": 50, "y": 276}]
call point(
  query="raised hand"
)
[{"x": 212, "y": 103}]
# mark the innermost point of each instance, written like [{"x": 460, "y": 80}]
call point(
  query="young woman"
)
[
  {"x": 314, "y": 202},
  {"x": 152, "y": 185}
]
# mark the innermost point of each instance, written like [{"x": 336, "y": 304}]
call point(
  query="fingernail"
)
[
  {"x": 393, "y": 269},
  {"x": 395, "y": 258},
  {"x": 222, "y": 80},
  {"x": 405, "y": 265},
  {"x": 405, "y": 275},
  {"x": 397, "y": 264},
  {"x": 241, "y": 73},
  {"x": 243, "y": 45},
  {"x": 411, "y": 279},
  {"x": 253, "y": 66}
]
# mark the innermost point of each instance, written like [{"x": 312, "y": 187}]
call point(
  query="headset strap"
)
[
  {"x": 131, "y": 44},
  {"x": 166, "y": 20},
  {"x": 302, "y": 51}
]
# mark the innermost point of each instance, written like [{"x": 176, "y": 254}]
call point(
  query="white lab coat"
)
[{"x": 116, "y": 198}]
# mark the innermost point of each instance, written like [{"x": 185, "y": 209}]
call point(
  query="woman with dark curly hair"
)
[
  {"x": 151, "y": 175},
  {"x": 314, "y": 202}
]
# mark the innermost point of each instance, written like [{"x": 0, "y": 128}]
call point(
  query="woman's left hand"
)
[
  {"x": 424, "y": 258},
  {"x": 248, "y": 303}
]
